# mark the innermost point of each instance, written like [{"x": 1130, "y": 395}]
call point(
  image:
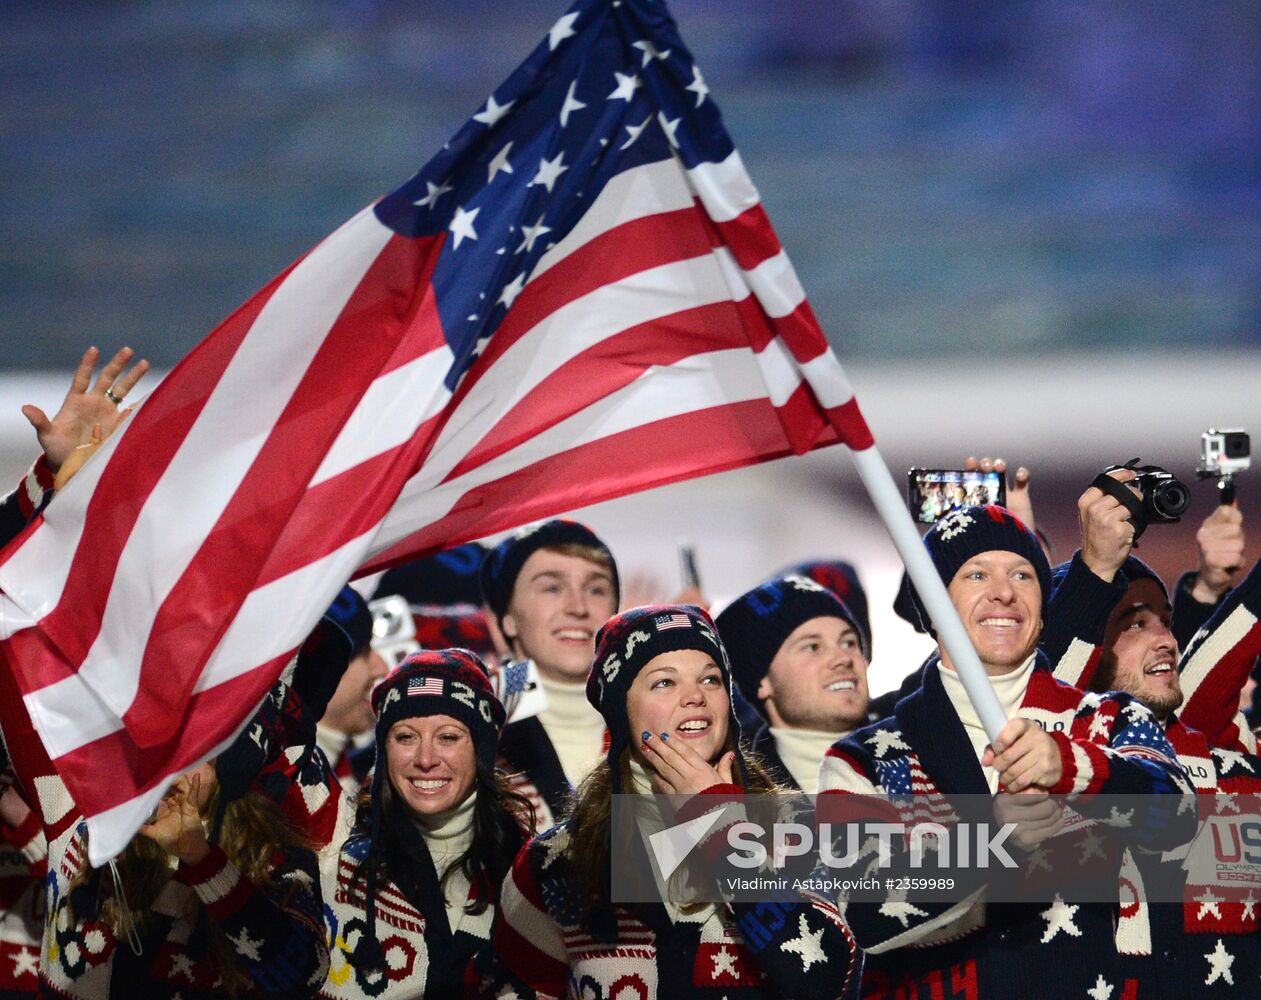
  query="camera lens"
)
[
  {"x": 1171, "y": 500},
  {"x": 1235, "y": 446}
]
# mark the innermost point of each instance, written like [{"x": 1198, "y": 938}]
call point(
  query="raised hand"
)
[
  {"x": 1221, "y": 543},
  {"x": 176, "y": 825},
  {"x": 680, "y": 770},
  {"x": 1107, "y": 534},
  {"x": 86, "y": 405}
]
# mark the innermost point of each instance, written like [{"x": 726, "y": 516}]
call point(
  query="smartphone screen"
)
[{"x": 932, "y": 493}]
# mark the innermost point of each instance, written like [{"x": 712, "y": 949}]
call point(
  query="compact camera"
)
[
  {"x": 1165, "y": 498},
  {"x": 1224, "y": 452}
]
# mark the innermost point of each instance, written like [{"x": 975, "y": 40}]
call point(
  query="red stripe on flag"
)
[
  {"x": 635, "y": 246},
  {"x": 654, "y": 454},
  {"x": 202, "y": 604},
  {"x": 153, "y": 436},
  {"x": 851, "y": 425},
  {"x": 601, "y": 370},
  {"x": 204, "y": 722},
  {"x": 750, "y": 236}
]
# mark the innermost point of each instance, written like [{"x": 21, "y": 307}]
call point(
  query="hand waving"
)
[
  {"x": 176, "y": 824},
  {"x": 86, "y": 405}
]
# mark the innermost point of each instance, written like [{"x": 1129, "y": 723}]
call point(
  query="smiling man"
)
[
  {"x": 550, "y": 587},
  {"x": 1194, "y": 936},
  {"x": 1057, "y": 740},
  {"x": 799, "y": 656}
]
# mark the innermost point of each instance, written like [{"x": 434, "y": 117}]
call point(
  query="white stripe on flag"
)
[
  {"x": 389, "y": 413},
  {"x": 698, "y": 382},
  {"x": 775, "y": 284},
  {"x": 725, "y": 189},
  {"x": 190, "y": 497},
  {"x": 633, "y": 194}
]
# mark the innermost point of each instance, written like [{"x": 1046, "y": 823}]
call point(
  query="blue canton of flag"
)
[
  {"x": 665, "y": 622},
  {"x": 611, "y": 87}
]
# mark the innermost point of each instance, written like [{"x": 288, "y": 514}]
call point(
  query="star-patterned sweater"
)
[
  {"x": 429, "y": 946},
  {"x": 277, "y": 934},
  {"x": 1207, "y": 945},
  {"x": 549, "y": 943},
  {"x": 23, "y": 865},
  {"x": 1109, "y": 745}
]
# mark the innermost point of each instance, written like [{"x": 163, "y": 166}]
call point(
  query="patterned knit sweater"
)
[
  {"x": 30, "y": 496},
  {"x": 23, "y": 865},
  {"x": 276, "y": 934},
  {"x": 1109, "y": 744},
  {"x": 424, "y": 955},
  {"x": 549, "y": 943},
  {"x": 1155, "y": 939}
]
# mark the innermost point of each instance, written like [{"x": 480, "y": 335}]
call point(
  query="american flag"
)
[
  {"x": 424, "y": 685},
  {"x": 580, "y": 296},
  {"x": 664, "y": 623}
]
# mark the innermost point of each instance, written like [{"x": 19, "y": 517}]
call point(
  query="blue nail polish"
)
[
  {"x": 646, "y": 736},
  {"x": 665, "y": 736}
]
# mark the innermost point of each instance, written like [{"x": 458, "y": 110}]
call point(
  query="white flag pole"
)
[{"x": 891, "y": 506}]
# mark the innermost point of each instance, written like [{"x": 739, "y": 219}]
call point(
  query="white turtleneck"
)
[
  {"x": 641, "y": 784},
  {"x": 574, "y": 727},
  {"x": 802, "y": 752},
  {"x": 1010, "y": 688},
  {"x": 448, "y": 835}
]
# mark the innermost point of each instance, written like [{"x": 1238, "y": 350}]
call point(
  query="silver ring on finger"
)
[{"x": 117, "y": 400}]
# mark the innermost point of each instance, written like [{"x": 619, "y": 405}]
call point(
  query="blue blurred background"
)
[
  {"x": 1030, "y": 227},
  {"x": 947, "y": 176}
]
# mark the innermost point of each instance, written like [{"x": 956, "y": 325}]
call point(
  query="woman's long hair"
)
[
  {"x": 502, "y": 821},
  {"x": 591, "y": 828},
  {"x": 254, "y": 829}
]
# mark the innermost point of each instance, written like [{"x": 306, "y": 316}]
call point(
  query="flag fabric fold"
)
[{"x": 579, "y": 297}]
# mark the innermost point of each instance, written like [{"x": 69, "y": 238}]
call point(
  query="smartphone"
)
[{"x": 932, "y": 493}]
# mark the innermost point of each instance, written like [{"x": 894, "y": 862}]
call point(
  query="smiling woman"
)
[
  {"x": 661, "y": 680},
  {"x": 411, "y": 892}
]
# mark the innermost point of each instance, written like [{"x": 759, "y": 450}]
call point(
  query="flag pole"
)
[{"x": 951, "y": 634}]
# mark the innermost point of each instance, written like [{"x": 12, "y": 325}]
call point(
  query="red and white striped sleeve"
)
[{"x": 530, "y": 955}]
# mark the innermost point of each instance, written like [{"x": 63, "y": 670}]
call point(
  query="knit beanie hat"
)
[
  {"x": 444, "y": 592},
  {"x": 966, "y": 532},
  {"x": 1134, "y": 569},
  {"x": 445, "y": 578},
  {"x": 624, "y": 646},
  {"x": 842, "y": 579},
  {"x": 503, "y": 563},
  {"x": 450, "y": 682},
  {"x": 755, "y": 625}
]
